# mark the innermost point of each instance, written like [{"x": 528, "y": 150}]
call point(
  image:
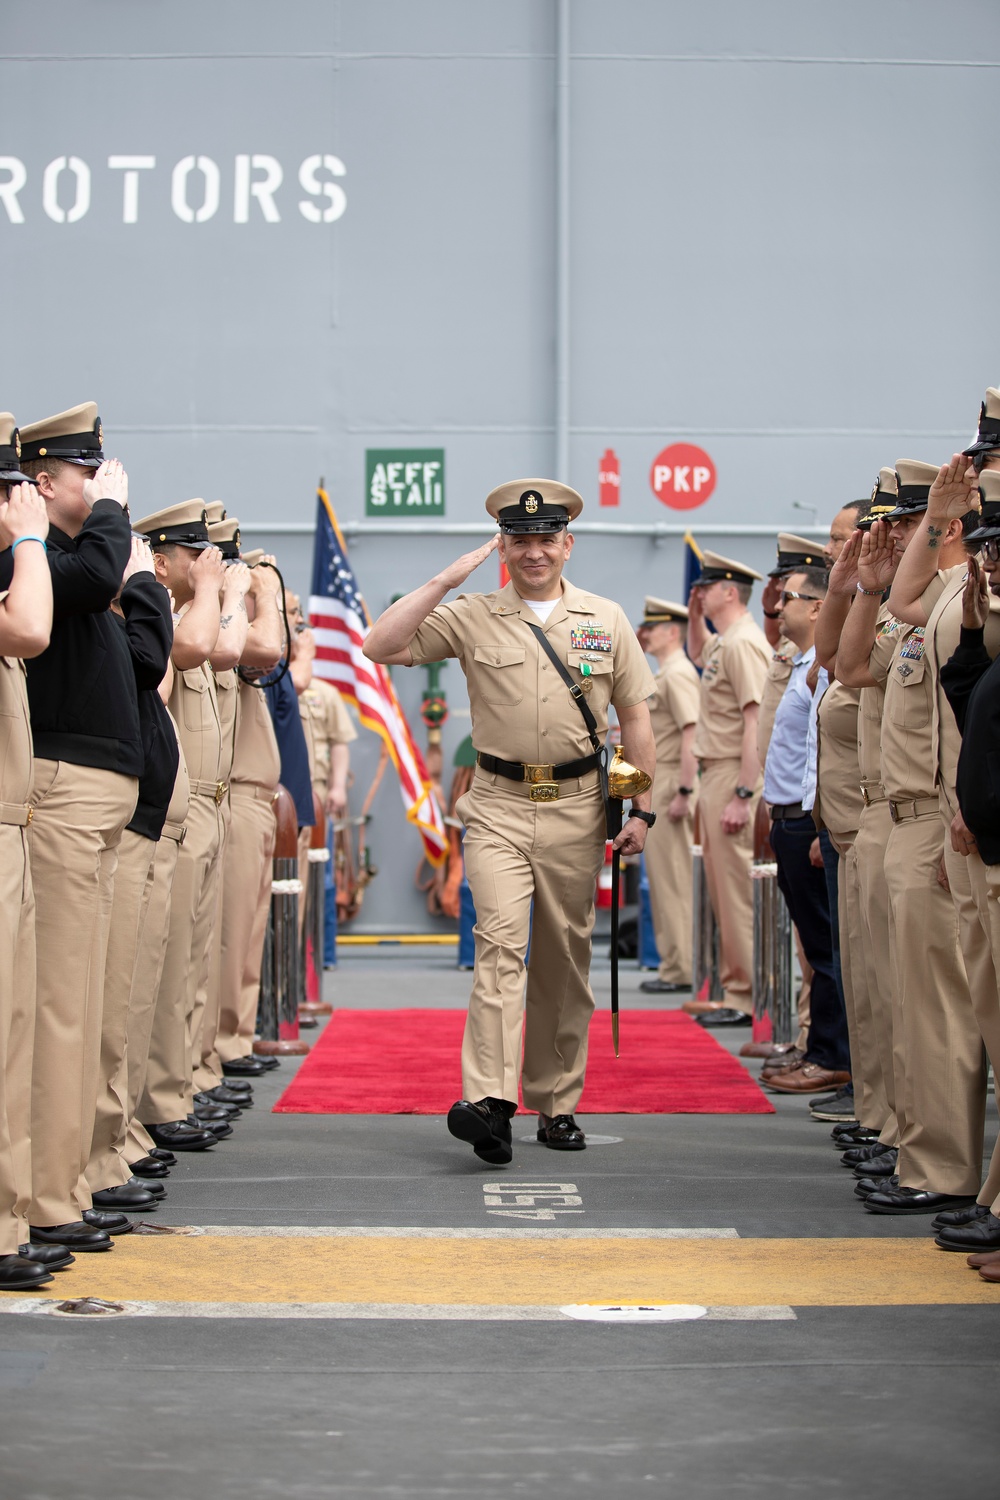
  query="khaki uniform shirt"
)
[
  {"x": 673, "y": 706},
  {"x": 779, "y": 672},
  {"x": 16, "y": 760},
  {"x": 942, "y": 601},
  {"x": 228, "y": 698},
  {"x": 256, "y": 760},
  {"x": 898, "y": 659},
  {"x": 735, "y": 666},
  {"x": 326, "y": 723},
  {"x": 838, "y": 792},
  {"x": 521, "y": 711},
  {"x": 196, "y": 714},
  {"x": 870, "y": 726}
]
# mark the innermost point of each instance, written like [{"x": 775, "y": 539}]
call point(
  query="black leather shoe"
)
[
  {"x": 865, "y": 1186},
  {"x": 883, "y": 1165},
  {"x": 108, "y": 1222},
  {"x": 156, "y": 1188},
  {"x": 220, "y": 1129},
  {"x": 902, "y": 1200},
  {"x": 178, "y": 1135},
  {"x": 724, "y": 1016},
  {"x": 19, "y": 1275},
  {"x": 952, "y": 1217},
  {"x": 267, "y": 1063},
  {"x": 148, "y": 1166},
  {"x": 167, "y": 1157},
  {"x": 561, "y": 1132},
  {"x": 49, "y": 1257},
  {"x": 663, "y": 987},
  {"x": 225, "y": 1096},
  {"x": 981, "y": 1234},
  {"x": 485, "y": 1124},
  {"x": 127, "y": 1198},
  {"x": 855, "y": 1155},
  {"x": 245, "y": 1067},
  {"x": 206, "y": 1113},
  {"x": 78, "y": 1236},
  {"x": 845, "y": 1136}
]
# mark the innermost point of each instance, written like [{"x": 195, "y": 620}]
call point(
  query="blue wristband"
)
[{"x": 30, "y": 537}]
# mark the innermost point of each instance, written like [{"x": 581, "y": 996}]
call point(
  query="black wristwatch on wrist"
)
[
  {"x": 649, "y": 818},
  {"x": 744, "y": 793},
  {"x": 685, "y": 791}
]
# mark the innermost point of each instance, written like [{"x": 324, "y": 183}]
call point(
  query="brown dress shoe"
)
[
  {"x": 793, "y": 1058},
  {"x": 809, "y": 1077},
  {"x": 984, "y": 1258},
  {"x": 990, "y": 1272}
]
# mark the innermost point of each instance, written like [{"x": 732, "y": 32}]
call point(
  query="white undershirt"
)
[{"x": 542, "y": 607}]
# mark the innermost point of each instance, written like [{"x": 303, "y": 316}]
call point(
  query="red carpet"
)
[{"x": 406, "y": 1062}]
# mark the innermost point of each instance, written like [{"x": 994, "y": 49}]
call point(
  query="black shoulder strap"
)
[{"x": 576, "y": 691}]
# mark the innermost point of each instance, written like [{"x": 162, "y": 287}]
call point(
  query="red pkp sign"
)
[{"x": 682, "y": 476}]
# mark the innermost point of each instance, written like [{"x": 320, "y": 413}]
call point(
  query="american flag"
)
[{"x": 340, "y": 622}]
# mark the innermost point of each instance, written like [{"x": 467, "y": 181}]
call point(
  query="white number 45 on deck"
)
[{"x": 531, "y": 1200}]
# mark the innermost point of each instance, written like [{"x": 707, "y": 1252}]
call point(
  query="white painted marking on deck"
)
[{"x": 377, "y": 1311}]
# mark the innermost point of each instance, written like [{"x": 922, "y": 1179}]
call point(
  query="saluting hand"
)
[
  {"x": 24, "y": 514},
  {"x": 975, "y": 598},
  {"x": 878, "y": 559},
  {"x": 955, "y": 491},
  {"x": 460, "y": 569},
  {"x": 237, "y": 579},
  {"x": 110, "y": 482},
  {"x": 140, "y": 559},
  {"x": 207, "y": 571},
  {"x": 844, "y": 573},
  {"x": 696, "y": 603}
]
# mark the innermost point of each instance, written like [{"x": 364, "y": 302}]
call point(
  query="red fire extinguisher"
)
[
  {"x": 609, "y": 478},
  {"x": 604, "y": 879}
]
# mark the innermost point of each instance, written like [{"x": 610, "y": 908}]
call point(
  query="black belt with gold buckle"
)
[{"x": 544, "y": 779}]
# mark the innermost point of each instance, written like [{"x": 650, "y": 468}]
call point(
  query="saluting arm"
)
[
  {"x": 840, "y": 595},
  {"x": 233, "y": 619},
  {"x": 26, "y": 613},
  {"x": 877, "y": 564},
  {"x": 389, "y": 639},
  {"x": 953, "y": 494},
  {"x": 198, "y": 628},
  {"x": 264, "y": 641}
]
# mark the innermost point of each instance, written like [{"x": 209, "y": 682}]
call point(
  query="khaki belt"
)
[
  {"x": 175, "y": 831},
  {"x": 869, "y": 797},
  {"x": 17, "y": 813},
  {"x": 921, "y": 807},
  {"x": 215, "y": 789},
  {"x": 252, "y": 791}
]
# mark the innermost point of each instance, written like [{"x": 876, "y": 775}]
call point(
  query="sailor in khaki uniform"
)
[
  {"x": 535, "y": 819},
  {"x": 25, "y": 625},
  {"x": 673, "y": 712},
  {"x": 734, "y": 661},
  {"x": 937, "y": 1055}
]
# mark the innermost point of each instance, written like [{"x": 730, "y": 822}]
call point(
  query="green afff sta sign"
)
[{"x": 404, "y": 482}]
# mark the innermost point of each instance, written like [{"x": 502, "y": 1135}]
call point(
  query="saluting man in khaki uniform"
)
[
  {"x": 25, "y": 626},
  {"x": 535, "y": 819},
  {"x": 673, "y": 712},
  {"x": 735, "y": 661},
  {"x": 939, "y": 1108}
]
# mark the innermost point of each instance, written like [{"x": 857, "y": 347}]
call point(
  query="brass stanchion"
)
[
  {"x": 772, "y": 949},
  {"x": 314, "y": 926},
  {"x": 706, "y": 984},
  {"x": 278, "y": 1008}
]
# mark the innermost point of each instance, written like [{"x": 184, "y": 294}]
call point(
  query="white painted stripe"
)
[
  {"x": 367, "y": 1311},
  {"x": 326, "y": 1231}
]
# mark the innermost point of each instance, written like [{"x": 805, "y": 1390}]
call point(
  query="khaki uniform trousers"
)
[
  {"x": 169, "y": 1094},
  {"x": 728, "y": 858},
  {"x": 877, "y": 1077},
  {"x": 246, "y": 900},
  {"x": 17, "y": 1034},
  {"x": 984, "y": 882},
  {"x": 668, "y": 865},
  {"x": 79, "y": 818},
  {"x": 940, "y": 1094},
  {"x": 133, "y": 886},
  {"x": 531, "y": 865},
  {"x": 204, "y": 1024},
  {"x": 145, "y": 989},
  {"x": 866, "y": 1071}
]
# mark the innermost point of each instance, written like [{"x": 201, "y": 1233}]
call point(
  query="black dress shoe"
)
[
  {"x": 78, "y": 1236},
  {"x": 845, "y": 1136},
  {"x": 903, "y": 1200},
  {"x": 220, "y": 1129},
  {"x": 167, "y": 1157},
  {"x": 981, "y": 1234},
  {"x": 855, "y": 1155},
  {"x": 663, "y": 987},
  {"x": 178, "y": 1135},
  {"x": 245, "y": 1067},
  {"x": 865, "y": 1186},
  {"x": 206, "y": 1113},
  {"x": 485, "y": 1124},
  {"x": 952, "y": 1217},
  {"x": 561, "y": 1132},
  {"x": 20, "y": 1275},
  {"x": 156, "y": 1188},
  {"x": 110, "y": 1223},
  {"x": 221, "y": 1094},
  {"x": 724, "y": 1016},
  {"x": 49, "y": 1257},
  {"x": 883, "y": 1165},
  {"x": 148, "y": 1166},
  {"x": 128, "y": 1198},
  {"x": 267, "y": 1063}
]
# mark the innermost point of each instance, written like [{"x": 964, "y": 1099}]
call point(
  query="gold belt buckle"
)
[
  {"x": 542, "y": 786},
  {"x": 31, "y": 814},
  {"x": 220, "y": 792},
  {"x": 865, "y": 797}
]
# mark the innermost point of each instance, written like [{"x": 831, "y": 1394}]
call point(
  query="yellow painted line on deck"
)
[{"x": 422, "y": 1271}]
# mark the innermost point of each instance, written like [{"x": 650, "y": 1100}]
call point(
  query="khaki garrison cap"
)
[
  {"x": 10, "y": 452},
  {"x": 662, "y": 612},
  {"x": 183, "y": 524},
  {"x": 253, "y": 557},
  {"x": 989, "y": 494},
  {"x": 988, "y": 436},
  {"x": 76, "y": 436},
  {"x": 795, "y": 552},
  {"x": 527, "y": 505},
  {"x": 225, "y": 534},
  {"x": 883, "y": 499},
  {"x": 913, "y": 485},
  {"x": 716, "y": 569}
]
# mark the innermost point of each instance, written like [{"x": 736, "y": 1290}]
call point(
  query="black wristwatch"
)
[
  {"x": 744, "y": 793},
  {"x": 685, "y": 791},
  {"x": 649, "y": 818}
]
